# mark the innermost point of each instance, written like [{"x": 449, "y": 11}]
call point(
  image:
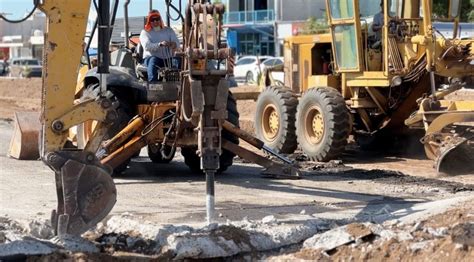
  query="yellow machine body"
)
[{"x": 382, "y": 85}]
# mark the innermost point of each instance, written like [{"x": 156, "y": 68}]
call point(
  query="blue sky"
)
[{"x": 17, "y": 8}]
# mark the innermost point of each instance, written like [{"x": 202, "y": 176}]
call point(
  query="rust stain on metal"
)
[{"x": 52, "y": 45}]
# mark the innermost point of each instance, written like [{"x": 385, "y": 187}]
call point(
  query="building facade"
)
[
  {"x": 258, "y": 27},
  {"x": 23, "y": 39}
]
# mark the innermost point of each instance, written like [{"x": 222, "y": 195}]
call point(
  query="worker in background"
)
[
  {"x": 377, "y": 25},
  {"x": 159, "y": 43}
]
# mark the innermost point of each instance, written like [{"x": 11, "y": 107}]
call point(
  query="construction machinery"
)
[
  {"x": 116, "y": 113},
  {"x": 346, "y": 82}
]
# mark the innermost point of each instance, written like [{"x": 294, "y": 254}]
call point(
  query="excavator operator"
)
[{"x": 159, "y": 43}]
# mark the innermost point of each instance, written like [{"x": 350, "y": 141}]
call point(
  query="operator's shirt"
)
[
  {"x": 150, "y": 40},
  {"x": 378, "y": 20}
]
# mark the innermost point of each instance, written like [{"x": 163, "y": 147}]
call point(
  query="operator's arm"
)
[
  {"x": 146, "y": 42},
  {"x": 173, "y": 42},
  {"x": 378, "y": 22}
]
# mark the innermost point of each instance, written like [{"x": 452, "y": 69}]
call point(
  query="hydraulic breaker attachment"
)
[
  {"x": 24, "y": 143},
  {"x": 272, "y": 169},
  {"x": 85, "y": 190}
]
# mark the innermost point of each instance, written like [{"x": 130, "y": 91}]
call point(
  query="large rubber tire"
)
[
  {"x": 275, "y": 119},
  {"x": 322, "y": 123},
  {"x": 124, "y": 110},
  {"x": 154, "y": 153},
  {"x": 193, "y": 161}
]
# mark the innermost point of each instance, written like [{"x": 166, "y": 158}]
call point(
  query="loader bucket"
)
[
  {"x": 457, "y": 159},
  {"x": 24, "y": 142}
]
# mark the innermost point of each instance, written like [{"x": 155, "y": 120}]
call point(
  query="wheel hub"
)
[
  {"x": 314, "y": 124},
  {"x": 271, "y": 122}
]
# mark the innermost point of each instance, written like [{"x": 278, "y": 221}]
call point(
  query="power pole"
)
[{"x": 277, "y": 18}]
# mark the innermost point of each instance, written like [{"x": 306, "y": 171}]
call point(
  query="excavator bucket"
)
[
  {"x": 457, "y": 158},
  {"x": 24, "y": 142},
  {"x": 85, "y": 189}
]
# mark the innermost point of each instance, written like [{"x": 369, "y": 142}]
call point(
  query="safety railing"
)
[{"x": 250, "y": 17}]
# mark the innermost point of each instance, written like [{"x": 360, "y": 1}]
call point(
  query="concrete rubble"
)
[
  {"x": 222, "y": 240},
  {"x": 215, "y": 240},
  {"x": 129, "y": 234}
]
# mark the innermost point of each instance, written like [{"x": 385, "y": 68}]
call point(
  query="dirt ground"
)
[
  {"x": 19, "y": 95},
  {"x": 350, "y": 190},
  {"x": 444, "y": 237}
]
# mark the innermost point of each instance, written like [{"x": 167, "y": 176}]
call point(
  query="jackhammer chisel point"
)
[{"x": 210, "y": 200}]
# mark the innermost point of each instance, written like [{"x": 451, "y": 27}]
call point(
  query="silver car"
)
[{"x": 25, "y": 67}]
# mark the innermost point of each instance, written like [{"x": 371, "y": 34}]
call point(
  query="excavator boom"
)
[{"x": 85, "y": 190}]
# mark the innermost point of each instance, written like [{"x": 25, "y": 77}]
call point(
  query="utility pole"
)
[{"x": 276, "y": 44}]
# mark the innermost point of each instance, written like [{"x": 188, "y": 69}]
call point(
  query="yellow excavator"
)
[
  {"x": 347, "y": 81},
  {"x": 116, "y": 112}
]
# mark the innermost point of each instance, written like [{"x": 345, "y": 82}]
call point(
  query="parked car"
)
[
  {"x": 271, "y": 62},
  {"x": 3, "y": 68},
  {"x": 25, "y": 67},
  {"x": 247, "y": 68}
]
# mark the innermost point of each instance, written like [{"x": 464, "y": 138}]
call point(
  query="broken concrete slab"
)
[
  {"x": 27, "y": 247},
  {"x": 75, "y": 244},
  {"x": 339, "y": 236},
  {"x": 422, "y": 210},
  {"x": 329, "y": 240}
]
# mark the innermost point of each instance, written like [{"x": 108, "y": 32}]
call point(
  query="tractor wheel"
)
[
  {"x": 125, "y": 114},
  {"x": 154, "y": 153},
  {"x": 275, "y": 119},
  {"x": 193, "y": 161},
  {"x": 322, "y": 123}
]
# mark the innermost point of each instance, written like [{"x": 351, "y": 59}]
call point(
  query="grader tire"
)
[
  {"x": 125, "y": 114},
  {"x": 275, "y": 119},
  {"x": 322, "y": 123},
  {"x": 193, "y": 161}
]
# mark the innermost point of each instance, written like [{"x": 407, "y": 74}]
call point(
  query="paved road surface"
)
[{"x": 172, "y": 194}]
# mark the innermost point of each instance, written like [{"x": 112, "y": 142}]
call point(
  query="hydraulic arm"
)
[{"x": 85, "y": 190}]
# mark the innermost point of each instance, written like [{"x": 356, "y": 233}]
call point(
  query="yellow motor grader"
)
[
  {"x": 346, "y": 82},
  {"x": 117, "y": 113}
]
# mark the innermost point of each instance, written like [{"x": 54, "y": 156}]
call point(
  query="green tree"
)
[
  {"x": 441, "y": 8},
  {"x": 315, "y": 26},
  {"x": 468, "y": 14}
]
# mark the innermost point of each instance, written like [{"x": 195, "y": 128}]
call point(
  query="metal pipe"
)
[
  {"x": 112, "y": 20},
  {"x": 125, "y": 22},
  {"x": 103, "y": 55},
  {"x": 385, "y": 36},
  {"x": 168, "y": 15},
  {"x": 433, "y": 84},
  {"x": 103, "y": 45}
]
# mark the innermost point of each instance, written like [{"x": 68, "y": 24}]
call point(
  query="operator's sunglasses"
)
[{"x": 155, "y": 19}]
